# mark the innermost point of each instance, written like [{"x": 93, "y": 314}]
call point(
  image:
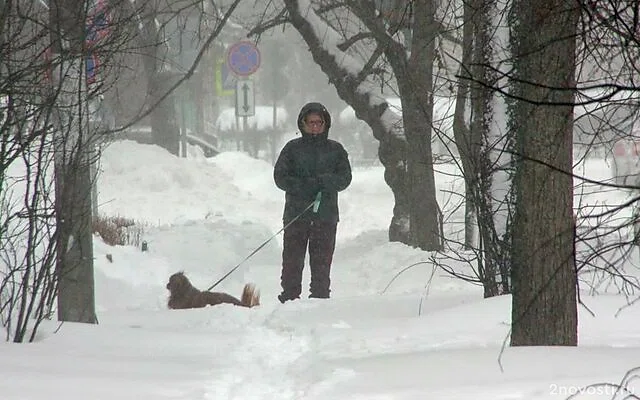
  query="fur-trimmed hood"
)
[{"x": 318, "y": 108}]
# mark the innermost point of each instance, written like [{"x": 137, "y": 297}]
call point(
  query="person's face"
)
[{"x": 314, "y": 124}]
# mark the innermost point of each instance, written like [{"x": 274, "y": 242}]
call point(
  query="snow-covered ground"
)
[{"x": 424, "y": 336}]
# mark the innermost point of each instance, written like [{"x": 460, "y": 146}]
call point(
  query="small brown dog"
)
[{"x": 185, "y": 295}]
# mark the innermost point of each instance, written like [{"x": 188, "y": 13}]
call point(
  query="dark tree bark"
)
[
  {"x": 416, "y": 91},
  {"x": 76, "y": 298},
  {"x": 74, "y": 242},
  {"x": 163, "y": 119},
  {"x": 164, "y": 122},
  {"x": 544, "y": 310}
]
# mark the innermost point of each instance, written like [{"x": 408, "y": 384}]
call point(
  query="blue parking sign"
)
[{"x": 243, "y": 58}]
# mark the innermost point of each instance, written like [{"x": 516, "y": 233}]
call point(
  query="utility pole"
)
[{"x": 73, "y": 158}]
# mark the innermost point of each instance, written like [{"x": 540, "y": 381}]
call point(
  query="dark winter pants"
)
[{"x": 321, "y": 238}]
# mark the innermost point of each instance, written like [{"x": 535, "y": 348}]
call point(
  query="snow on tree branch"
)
[{"x": 344, "y": 70}]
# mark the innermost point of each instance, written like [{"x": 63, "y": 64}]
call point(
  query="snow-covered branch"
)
[{"x": 343, "y": 70}]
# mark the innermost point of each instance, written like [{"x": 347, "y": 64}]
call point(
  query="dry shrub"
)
[{"x": 118, "y": 231}]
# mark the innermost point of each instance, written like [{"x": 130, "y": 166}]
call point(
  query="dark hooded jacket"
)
[{"x": 311, "y": 164}]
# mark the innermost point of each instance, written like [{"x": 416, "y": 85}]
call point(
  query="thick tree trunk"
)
[
  {"x": 73, "y": 155},
  {"x": 416, "y": 92},
  {"x": 164, "y": 121},
  {"x": 165, "y": 129},
  {"x": 76, "y": 301},
  {"x": 424, "y": 224},
  {"x": 393, "y": 155},
  {"x": 544, "y": 310}
]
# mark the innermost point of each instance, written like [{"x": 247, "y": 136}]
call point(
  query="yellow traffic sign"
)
[{"x": 225, "y": 80}]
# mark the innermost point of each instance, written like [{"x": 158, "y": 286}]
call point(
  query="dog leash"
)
[{"x": 315, "y": 204}]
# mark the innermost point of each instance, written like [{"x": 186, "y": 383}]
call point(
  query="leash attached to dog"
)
[{"x": 315, "y": 204}]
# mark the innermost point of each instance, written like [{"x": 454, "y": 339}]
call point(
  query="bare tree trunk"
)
[
  {"x": 544, "y": 310},
  {"x": 418, "y": 211},
  {"x": 393, "y": 155},
  {"x": 76, "y": 301},
  {"x": 470, "y": 218},
  {"x": 481, "y": 126},
  {"x": 476, "y": 144},
  {"x": 462, "y": 131},
  {"x": 164, "y": 121},
  {"x": 416, "y": 92},
  {"x": 197, "y": 85}
]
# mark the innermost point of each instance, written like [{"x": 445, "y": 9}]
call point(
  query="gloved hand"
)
[
  {"x": 316, "y": 202},
  {"x": 324, "y": 181},
  {"x": 312, "y": 186}
]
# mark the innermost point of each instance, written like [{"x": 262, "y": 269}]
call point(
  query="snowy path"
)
[
  {"x": 360, "y": 344},
  {"x": 370, "y": 347},
  {"x": 263, "y": 364},
  {"x": 286, "y": 352}
]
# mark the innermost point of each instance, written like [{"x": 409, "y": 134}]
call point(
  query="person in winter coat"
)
[{"x": 310, "y": 168}]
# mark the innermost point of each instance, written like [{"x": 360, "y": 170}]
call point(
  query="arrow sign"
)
[{"x": 245, "y": 98}]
